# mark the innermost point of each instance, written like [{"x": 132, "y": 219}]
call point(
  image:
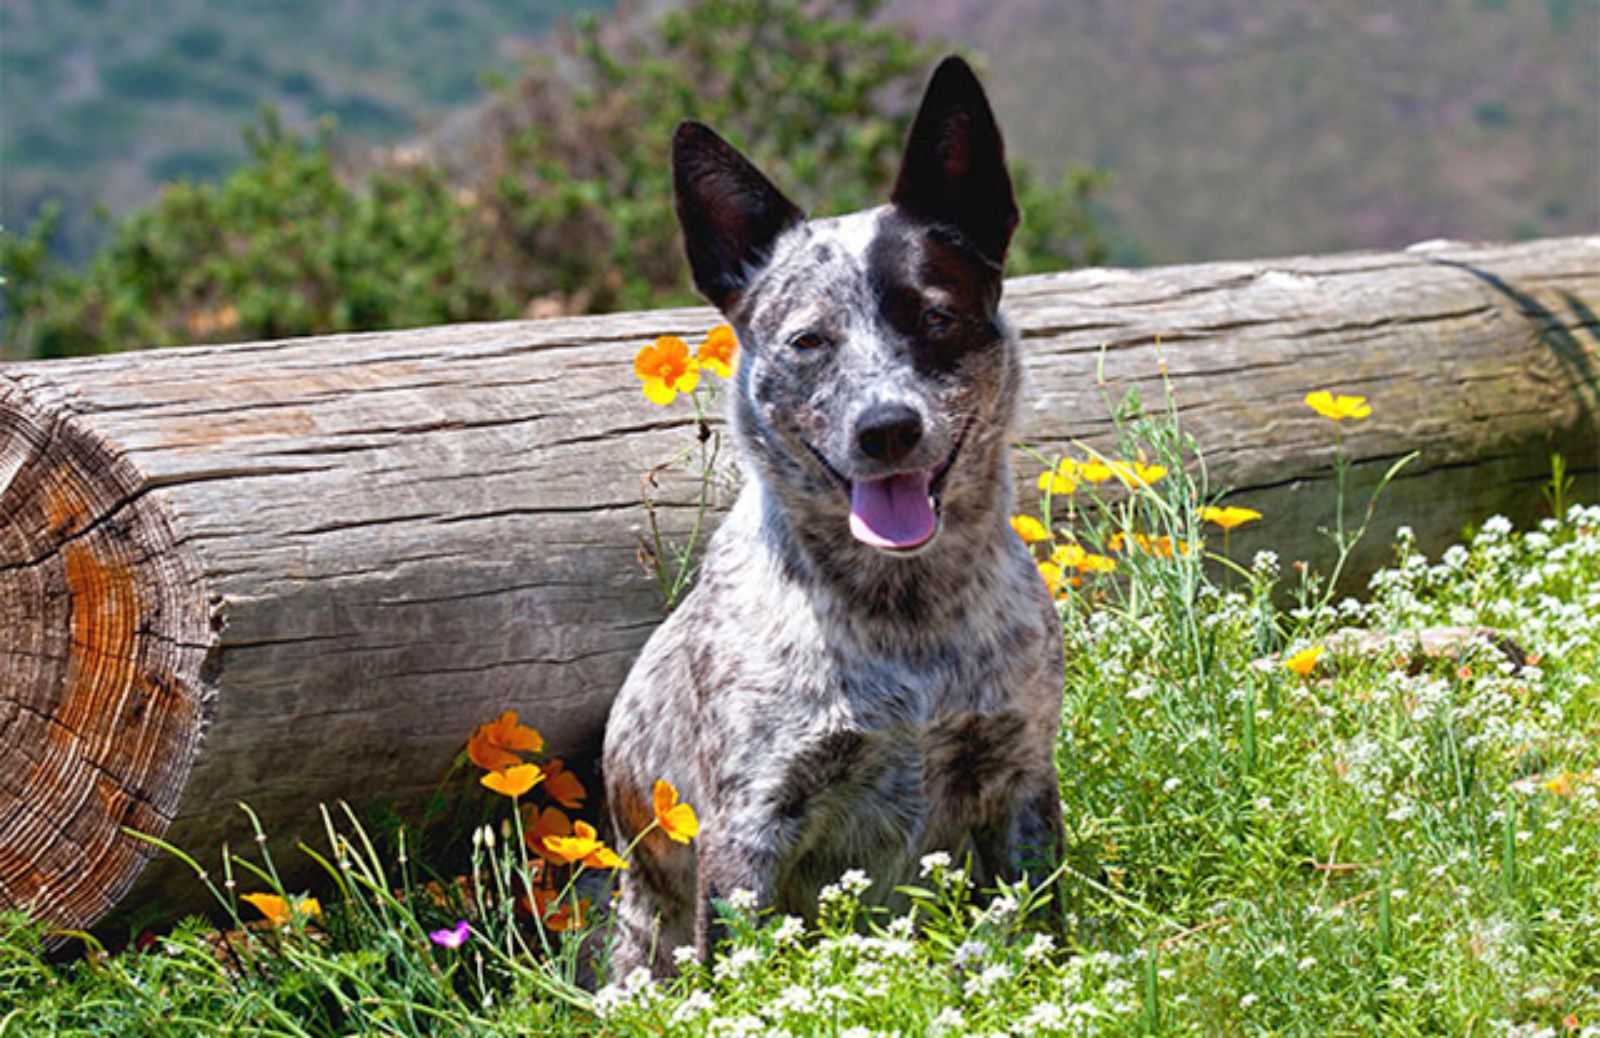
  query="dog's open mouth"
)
[{"x": 900, "y": 513}]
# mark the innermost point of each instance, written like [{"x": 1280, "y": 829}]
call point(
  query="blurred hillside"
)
[
  {"x": 1236, "y": 128},
  {"x": 103, "y": 100},
  {"x": 1229, "y": 127}
]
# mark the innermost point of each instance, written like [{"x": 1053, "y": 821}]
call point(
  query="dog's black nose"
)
[{"x": 888, "y": 432}]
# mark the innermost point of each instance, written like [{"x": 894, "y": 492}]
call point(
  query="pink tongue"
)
[{"x": 893, "y": 512}]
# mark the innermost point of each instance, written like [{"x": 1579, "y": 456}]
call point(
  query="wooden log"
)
[{"x": 292, "y": 572}]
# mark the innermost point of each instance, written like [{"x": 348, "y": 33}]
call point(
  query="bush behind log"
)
[{"x": 563, "y": 203}]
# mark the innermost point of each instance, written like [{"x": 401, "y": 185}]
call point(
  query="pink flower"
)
[{"x": 451, "y": 936}]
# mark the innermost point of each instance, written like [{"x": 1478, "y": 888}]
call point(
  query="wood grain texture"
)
[{"x": 293, "y": 572}]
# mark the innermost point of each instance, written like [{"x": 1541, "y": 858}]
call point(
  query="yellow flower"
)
[
  {"x": 1097, "y": 564},
  {"x": 1137, "y": 473},
  {"x": 1068, "y": 555},
  {"x": 1304, "y": 661},
  {"x": 1031, "y": 530},
  {"x": 676, "y": 819},
  {"x": 280, "y": 910},
  {"x": 1337, "y": 408},
  {"x": 1053, "y": 577},
  {"x": 1561, "y": 785},
  {"x": 1062, "y": 479},
  {"x": 719, "y": 354},
  {"x": 1095, "y": 471},
  {"x": 1229, "y": 517},
  {"x": 514, "y": 781},
  {"x": 495, "y": 745},
  {"x": 584, "y": 846},
  {"x": 666, "y": 369}
]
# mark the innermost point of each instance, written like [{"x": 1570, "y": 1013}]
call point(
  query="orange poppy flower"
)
[
  {"x": 280, "y": 910},
  {"x": 666, "y": 369},
  {"x": 495, "y": 746},
  {"x": 676, "y": 819},
  {"x": 549, "y": 822},
  {"x": 719, "y": 354},
  {"x": 562, "y": 785},
  {"x": 568, "y": 915},
  {"x": 514, "y": 781},
  {"x": 584, "y": 846},
  {"x": 1229, "y": 517}
]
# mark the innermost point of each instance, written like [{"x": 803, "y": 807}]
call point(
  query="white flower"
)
[
  {"x": 985, "y": 982},
  {"x": 855, "y": 881},
  {"x": 1248, "y": 1000},
  {"x": 967, "y": 953},
  {"x": 741, "y": 1027},
  {"x": 684, "y": 956},
  {"x": 936, "y": 862},
  {"x": 1041, "y": 946},
  {"x": 1046, "y": 1016},
  {"x": 795, "y": 999},
  {"x": 787, "y": 929},
  {"x": 1002, "y": 908},
  {"x": 737, "y": 963},
  {"x": 742, "y": 900},
  {"x": 698, "y": 1004}
]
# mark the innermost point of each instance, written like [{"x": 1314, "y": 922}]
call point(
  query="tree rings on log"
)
[{"x": 103, "y": 638}]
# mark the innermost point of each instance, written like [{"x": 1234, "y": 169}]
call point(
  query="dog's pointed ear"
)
[
  {"x": 954, "y": 170},
  {"x": 730, "y": 213}
]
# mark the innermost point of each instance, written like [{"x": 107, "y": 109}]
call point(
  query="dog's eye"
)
[
  {"x": 936, "y": 320},
  {"x": 807, "y": 341}
]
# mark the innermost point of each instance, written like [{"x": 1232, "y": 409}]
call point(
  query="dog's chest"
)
[{"x": 894, "y": 761}]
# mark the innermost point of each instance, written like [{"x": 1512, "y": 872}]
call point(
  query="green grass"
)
[{"x": 1396, "y": 843}]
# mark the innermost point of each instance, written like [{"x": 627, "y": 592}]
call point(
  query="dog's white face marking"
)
[{"x": 854, "y": 233}]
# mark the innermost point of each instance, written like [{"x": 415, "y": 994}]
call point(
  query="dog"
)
[{"x": 869, "y": 668}]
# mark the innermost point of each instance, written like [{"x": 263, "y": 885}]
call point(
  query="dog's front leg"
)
[
  {"x": 1026, "y": 841},
  {"x": 741, "y": 855}
]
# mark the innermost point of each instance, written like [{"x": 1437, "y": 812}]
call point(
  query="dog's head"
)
[{"x": 878, "y": 378}]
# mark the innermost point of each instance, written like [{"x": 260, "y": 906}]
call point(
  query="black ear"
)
[
  {"x": 954, "y": 170},
  {"x": 729, "y": 212}
]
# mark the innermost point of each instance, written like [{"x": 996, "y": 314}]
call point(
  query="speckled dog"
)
[{"x": 869, "y": 668}]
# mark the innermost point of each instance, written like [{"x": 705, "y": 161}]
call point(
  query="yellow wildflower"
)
[
  {"x": 1229, "y": 517},
  {"x": 1304, "y": 661},
  {"x": 1031, "y": 530},
  {"x": 1337, "y": 408}
]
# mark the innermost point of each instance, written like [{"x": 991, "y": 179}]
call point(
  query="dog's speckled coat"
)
[{"x": 823, "y": 704}]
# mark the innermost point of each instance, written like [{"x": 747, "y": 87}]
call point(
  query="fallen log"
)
[{"x": 292, "y": 572}]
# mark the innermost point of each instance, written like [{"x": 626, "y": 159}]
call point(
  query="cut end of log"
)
[{"x": 103, "y": 634}]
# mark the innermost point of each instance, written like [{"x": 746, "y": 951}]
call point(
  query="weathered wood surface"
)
[{"x": 292, "y": 572}]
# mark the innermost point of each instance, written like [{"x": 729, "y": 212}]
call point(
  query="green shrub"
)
[{"x": 563, "y": 205}]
